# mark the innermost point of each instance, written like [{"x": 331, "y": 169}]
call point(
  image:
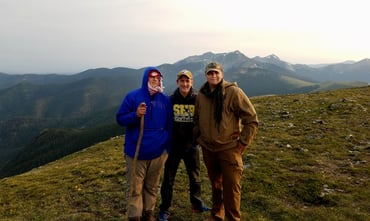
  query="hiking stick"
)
[{"x": 133, "y": 171}]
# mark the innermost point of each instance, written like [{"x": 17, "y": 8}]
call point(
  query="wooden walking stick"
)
[
  {"x": 137, "y": 150},
  {"x": 139, "y": 139}
]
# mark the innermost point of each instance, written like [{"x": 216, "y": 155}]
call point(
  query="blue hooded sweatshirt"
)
[{"x": 157, "y": 121}]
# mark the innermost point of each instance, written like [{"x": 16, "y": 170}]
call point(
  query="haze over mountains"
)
[{"x": 71, "y": 105}]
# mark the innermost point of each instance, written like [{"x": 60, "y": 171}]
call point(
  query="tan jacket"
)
[{"x": 239, "y": 120}]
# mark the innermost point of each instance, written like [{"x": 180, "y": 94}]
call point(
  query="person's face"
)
[
  {"x": 154, "y": 81},
  {"x": 214, "y": 78},
  {"x": 184, "y": 84}
]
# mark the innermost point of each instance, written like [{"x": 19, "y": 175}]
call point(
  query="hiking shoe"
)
[
  {"x": 203, "y": 208},
  {"x": 148, "y": 216},
  {"x": 163, "y": 216},
  {"x": 211, "y": 218}
]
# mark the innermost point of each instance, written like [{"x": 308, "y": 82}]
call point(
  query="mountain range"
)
[{"x": 53, "y": 109}]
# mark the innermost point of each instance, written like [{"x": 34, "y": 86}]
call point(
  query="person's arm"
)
[
  {"x": 249, "y": 120},
  {"x": 169, "y": 124},
  {"x": 127, "y": 113},
  {"x": 196, "y": 131}
]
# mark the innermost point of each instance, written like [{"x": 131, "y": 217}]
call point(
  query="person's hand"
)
[
  {"x": 141, "y": 110},
  {"x": 242, "y": 148}
]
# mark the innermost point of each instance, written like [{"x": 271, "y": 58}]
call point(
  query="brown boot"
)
[
  {"x": 148, "y": 216},
  {"x": 212, "y": 218}
]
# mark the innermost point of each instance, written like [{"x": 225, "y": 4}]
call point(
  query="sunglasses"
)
[{"x": 210, "y": 73}]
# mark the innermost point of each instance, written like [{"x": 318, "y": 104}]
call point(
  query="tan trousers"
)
[
  {"x": 225, "y": 171},
  {"x": 145, "y": 184}
]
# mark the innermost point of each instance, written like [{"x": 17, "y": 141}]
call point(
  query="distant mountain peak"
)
[
  {"x": 366, "y": 60},
  {"x": 210, "y": 56},
  {"x": 272, "y": 57},
  {"x": 236, "y": 52}
]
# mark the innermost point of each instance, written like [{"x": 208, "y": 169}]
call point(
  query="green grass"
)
[{"x": 309, "y": 161}]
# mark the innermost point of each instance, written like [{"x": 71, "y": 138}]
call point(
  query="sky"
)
[{"x": 70, "y": 36}]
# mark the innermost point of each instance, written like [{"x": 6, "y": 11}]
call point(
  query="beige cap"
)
[
  {"x": 214, "y": 66},
  {"x": 185, "y": 73}
]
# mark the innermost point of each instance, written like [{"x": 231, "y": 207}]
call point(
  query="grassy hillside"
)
[
  {"x": 310, "y": 161},
  {"x": 55, "y": 143}
]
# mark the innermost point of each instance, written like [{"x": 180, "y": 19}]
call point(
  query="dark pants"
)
[{"x": 190, "y": 157}]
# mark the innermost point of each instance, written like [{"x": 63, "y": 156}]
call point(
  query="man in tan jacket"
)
[{"x": 225, "y": 124}]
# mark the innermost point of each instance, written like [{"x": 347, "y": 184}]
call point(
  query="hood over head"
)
[{"x": 150, "y": 72}]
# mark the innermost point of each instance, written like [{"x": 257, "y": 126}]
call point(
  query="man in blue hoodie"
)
[{"x": 152, "y": 137}]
